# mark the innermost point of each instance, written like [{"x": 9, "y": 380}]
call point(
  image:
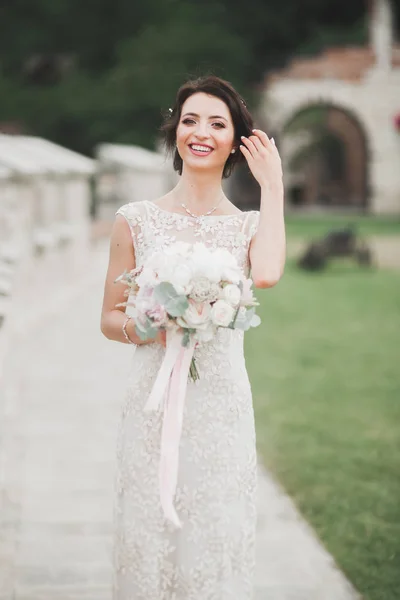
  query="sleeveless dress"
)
[{"x": 212, "y": 557}]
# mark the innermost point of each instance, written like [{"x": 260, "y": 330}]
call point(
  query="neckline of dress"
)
[{"x": 177, "y": 214}]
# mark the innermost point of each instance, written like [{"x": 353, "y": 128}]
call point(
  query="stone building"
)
[{"x": 359, "y": 89}]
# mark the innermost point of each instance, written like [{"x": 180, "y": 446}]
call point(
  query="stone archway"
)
[
  {"x": 353, "y": 82},
  {"x": 332, "y": 155}
]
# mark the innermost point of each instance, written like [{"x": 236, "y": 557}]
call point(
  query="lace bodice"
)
[{"x": 153, "y": 227}]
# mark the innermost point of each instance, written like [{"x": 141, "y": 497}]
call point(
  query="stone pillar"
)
[{"x": 381, "y": 33}]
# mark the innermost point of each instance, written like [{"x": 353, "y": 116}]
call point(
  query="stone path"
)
[{"x": 58, "y": 417}]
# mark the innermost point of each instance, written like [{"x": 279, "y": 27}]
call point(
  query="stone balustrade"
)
[
  {"x": 45, "y": 198},
  {"x": 128, "y": 174}
]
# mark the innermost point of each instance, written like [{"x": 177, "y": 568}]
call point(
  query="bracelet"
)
[{"x": 125, "y": 332}]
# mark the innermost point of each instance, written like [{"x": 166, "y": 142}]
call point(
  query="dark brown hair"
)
[{"x": 214, "y": 86}]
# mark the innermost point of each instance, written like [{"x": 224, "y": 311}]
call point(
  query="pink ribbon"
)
[{"x": 171, "y": 384}]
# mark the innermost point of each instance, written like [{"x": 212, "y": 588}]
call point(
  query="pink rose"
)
[
  {"x": 158, "y": 315},
  {"x": 231, "y": 293},
  {"x": 144, "y": 299},
  {"x": 196, "y": 316},
  {"x": 222, "y": 313}
]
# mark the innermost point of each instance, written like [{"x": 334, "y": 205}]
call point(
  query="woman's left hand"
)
[{"x": 263, "y": 159}]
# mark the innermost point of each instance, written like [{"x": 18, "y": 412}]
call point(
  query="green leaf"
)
[
  {"x": 140, "y": 332},
  {"x": 146, "y": 331},
  {"x": 186, "y": 339},
  {"x": 164, "y": 291},
  {"x": 176, "y": 307},
  {"x": 246, "y": 321},
  {"x": 166, "y": 295},
  {"x": 255, "y": 321},
  {"x": 232, "y": 324}
]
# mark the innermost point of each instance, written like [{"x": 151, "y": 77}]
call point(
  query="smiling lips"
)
[{"x": 200, "y": 149}]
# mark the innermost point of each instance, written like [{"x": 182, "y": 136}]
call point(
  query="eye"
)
[
  {"x": 219, "y": 125},
  {"x": 187, "y": 121}
]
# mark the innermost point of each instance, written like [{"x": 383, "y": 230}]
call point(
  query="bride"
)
[{"x": 211, "y": 556}]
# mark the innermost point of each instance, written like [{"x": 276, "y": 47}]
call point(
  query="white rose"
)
[
  {"x": 178, "y": 272},
  {"x": 196, "y": 316},
  {"x": 231, "y": 293},
  {"x": 232, "y": 274},
  {"x": 204, "y": 263},
  {"x": 181, "y": 276},
  {"x": 222, "y": 313},
  {"x": 228, "y": 265}
]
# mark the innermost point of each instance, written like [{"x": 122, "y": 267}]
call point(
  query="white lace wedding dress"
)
[{"x": 212, "y": 556}]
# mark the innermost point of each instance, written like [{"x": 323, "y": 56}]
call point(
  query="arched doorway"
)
[{"x": 325, "y": 157}]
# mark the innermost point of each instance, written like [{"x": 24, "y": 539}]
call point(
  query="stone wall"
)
[{"x": 373, "y": 97}]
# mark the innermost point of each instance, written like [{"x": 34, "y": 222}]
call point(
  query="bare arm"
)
[
  {"x": 268, "y": 246},
  {"x": 122, "y": 257}
]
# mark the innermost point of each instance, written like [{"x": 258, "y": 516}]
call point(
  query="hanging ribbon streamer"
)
[{"x": 171, "y": 383}]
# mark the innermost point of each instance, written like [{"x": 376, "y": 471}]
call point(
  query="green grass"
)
[
  {"x": 308, "y": 226},
  {"x": 325, "y": 372}
]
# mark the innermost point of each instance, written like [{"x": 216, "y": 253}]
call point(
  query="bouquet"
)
[{"x": 191, "y": 289}]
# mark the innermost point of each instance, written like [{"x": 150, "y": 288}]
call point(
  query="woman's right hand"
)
[{"x": 161, "y": 338}]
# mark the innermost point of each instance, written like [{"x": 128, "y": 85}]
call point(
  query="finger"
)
[
  {"x": 266, "y": 141},
  {"x": 249, "y": 145},
  {"x": 257, "y": 143},
  {"x": 274, "y": 145},
  {"x": 246, "y": 153}
]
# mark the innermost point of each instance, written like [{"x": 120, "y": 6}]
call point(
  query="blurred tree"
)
[
  {"x": 85, "y": 72},
  {"x": 274, "y": 29}
]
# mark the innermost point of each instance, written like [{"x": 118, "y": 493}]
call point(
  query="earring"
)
[{"x": 233, "y": 151}]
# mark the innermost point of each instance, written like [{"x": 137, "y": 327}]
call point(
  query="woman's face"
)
[{"x": 205, "y": 133}]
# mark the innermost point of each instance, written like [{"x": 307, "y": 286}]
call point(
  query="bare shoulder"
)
[
  {"x": 132, "y": 211},
  {"x": 165, "y": 202}
]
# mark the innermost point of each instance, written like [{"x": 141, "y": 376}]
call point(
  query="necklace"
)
[{"x": 198, "y": 217}]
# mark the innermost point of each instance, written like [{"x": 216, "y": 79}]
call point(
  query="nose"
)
[{"x": 201, "y": 130}]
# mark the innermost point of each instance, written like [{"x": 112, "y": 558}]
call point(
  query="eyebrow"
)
[{"x": 198, "y": 116}]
